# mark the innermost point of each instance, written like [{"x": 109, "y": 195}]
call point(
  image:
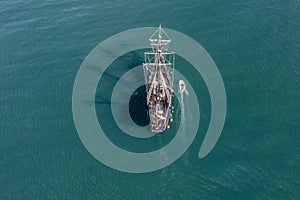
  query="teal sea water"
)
[{"x": 256, "y": 46}]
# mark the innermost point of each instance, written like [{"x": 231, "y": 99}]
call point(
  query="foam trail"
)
[
  {"x": 181, "y": 94},
  {"x": 186, "y": 92}
]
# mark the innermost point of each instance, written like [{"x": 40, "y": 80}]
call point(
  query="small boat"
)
[{"x": 182, "y": 87}]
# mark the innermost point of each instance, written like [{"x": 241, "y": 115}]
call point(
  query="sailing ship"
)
[{"x": 159, "y": 77}]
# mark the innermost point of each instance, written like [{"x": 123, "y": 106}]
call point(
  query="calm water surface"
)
[{"x": 255, "y": 45}]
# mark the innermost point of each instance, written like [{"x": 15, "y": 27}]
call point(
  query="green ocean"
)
[{"x": 255, "y": 46}]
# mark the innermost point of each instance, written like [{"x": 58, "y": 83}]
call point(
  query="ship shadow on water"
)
[{"x": 138, "y": 107}]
